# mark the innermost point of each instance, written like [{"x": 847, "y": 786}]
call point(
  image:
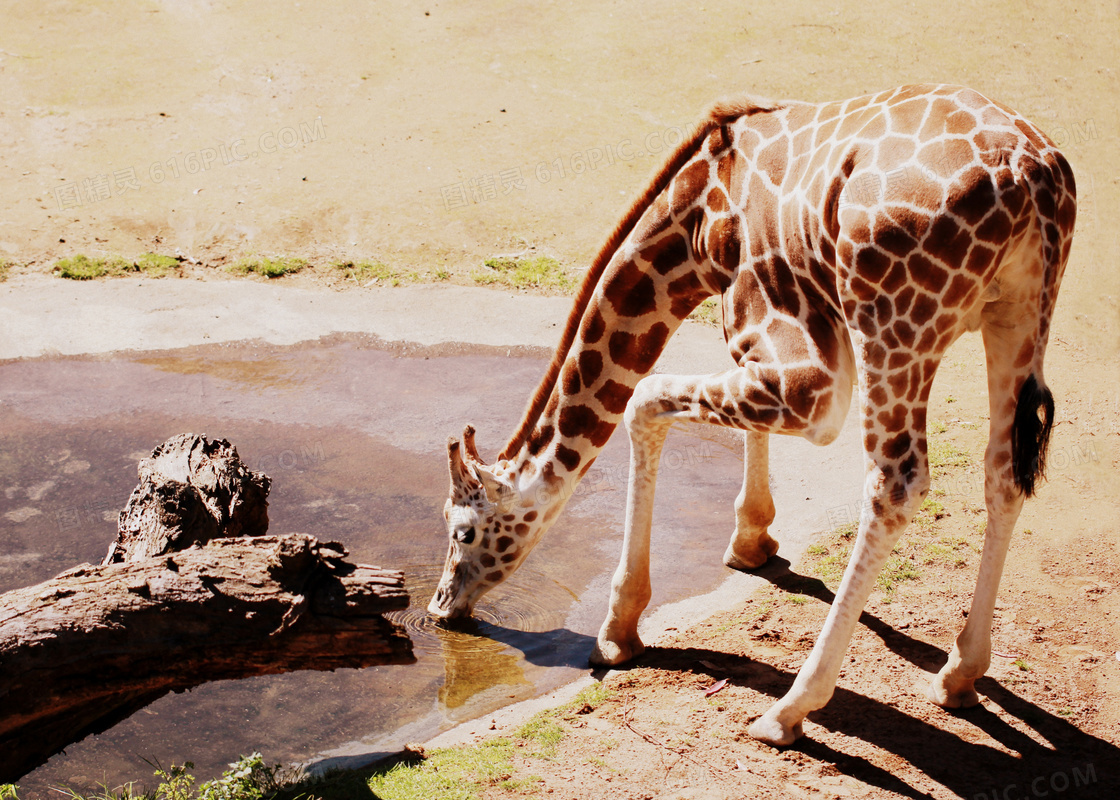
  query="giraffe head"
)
[{"x": 489, "y": 528}]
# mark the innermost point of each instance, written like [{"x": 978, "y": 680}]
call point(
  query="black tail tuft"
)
[{"x": 1030, "y": 434}]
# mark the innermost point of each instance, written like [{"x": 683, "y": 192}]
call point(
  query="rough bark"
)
[
  {"x": 191, "y": 490},
  {"x": 83, "y": 651}
]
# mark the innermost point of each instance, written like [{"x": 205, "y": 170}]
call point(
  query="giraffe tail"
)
[
  {"x": 1030, "y": 434},
  {"x": 1034, "y": 408}
]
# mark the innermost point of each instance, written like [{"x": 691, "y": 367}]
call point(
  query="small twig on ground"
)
[{"x": 682, "y": 752}]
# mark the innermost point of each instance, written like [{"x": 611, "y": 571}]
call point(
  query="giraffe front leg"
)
[
  {"x": 618, "y": 639},
  {"x": 752, "y": 545}
]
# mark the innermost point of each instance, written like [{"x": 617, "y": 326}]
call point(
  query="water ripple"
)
[{"x": 510, "y": 614}]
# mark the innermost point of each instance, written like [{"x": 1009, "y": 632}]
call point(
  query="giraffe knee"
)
[
  {"x": 902, "y": 495},
  {"x": 645, "y": 404}
]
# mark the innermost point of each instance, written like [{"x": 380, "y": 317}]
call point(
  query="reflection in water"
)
[
  {"x": 487, "y": 652},
  {"x": 270, "y": 373},
  {"x": 352, "y": 436},
  {"x": 474, "y": 664}
]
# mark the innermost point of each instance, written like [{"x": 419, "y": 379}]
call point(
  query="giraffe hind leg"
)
[
  {"x": 1012, "y": 463},
  {"x": 897, "y": 481},
  {"x": 751, "y": 545}
]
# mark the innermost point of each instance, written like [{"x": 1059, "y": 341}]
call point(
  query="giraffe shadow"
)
[
  {"x": 921, "y": 654},
  {"x": 559, "y": 647},
  {"x": 1054, "y": 755}
]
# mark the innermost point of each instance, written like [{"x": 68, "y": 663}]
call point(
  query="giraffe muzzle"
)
[{"x": 450, "y": 601}]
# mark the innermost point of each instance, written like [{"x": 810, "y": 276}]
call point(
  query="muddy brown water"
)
[{"x": 352, "y": 432}]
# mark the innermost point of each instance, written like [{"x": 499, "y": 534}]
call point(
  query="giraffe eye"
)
[{"x": 464, "y": 535}]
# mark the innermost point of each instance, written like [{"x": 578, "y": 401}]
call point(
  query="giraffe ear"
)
[
  {"x": 498, "y": 491},
  {"x": 468, "y": 445},
  {"x": 462, "y": 482}
]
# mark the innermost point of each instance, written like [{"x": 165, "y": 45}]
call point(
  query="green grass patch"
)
[
  {"x": 949, "y": 550},
  {"x": 465, "y": 773},
  {"x": 364, "y": 272},
  {"x": 457, "y": 773},
  {"x": 708, "y": 312},
  {"x": 269, "y": 267},
  {"x": 84, "y": 268},
  {"x": 5, "y": 269},
  {"x": 156, "y": 266},
  {"x": 847, "y": 531},
  {"x": 829, "y": 559},
  {"x": 830, "y": 564},
  {"x": 943, "y": 455},
  {"x": 249, "y": 778},
  {"x": 367, "y": 272},
  {"x": 898, "y": 568},
  {"x": 931, "y": 511},
  {"x": 539, "y": 272},
  {"x": 543, "y": 731}
]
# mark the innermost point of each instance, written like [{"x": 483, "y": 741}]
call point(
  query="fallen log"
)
[{"x": 83, "y": 651}]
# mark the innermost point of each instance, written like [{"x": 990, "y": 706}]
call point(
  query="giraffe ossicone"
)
[{"x": 851, "y": 243}]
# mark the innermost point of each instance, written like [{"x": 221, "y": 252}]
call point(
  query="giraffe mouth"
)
[
  {"x": 450, "y": 601},
  {"x": 443, "y": 608}
]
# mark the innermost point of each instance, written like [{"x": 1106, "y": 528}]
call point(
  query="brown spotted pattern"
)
[{"x": 851, "y": 243}]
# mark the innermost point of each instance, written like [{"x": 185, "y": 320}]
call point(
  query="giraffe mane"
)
[{"x": 720, "y": 113}]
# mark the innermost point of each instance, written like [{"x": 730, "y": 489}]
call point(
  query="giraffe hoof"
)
[
  {"x": 939, "y": 694},
  {"x": 752, "y": 556},
  {"x": 768, "y": 729},
  {"x": 610, "y": 654}
]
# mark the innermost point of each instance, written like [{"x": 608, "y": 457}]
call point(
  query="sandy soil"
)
[{"x": 431, "y": 137}]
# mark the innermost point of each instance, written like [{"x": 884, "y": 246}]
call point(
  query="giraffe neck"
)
[
  {"x": 663, "y": 259},
  {"x": 598, "y": 376}
]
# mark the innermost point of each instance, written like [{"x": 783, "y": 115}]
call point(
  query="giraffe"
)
[{"x": 851, "y": 243}]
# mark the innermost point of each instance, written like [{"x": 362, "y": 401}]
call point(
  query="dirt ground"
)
[
  {"x": 1048, "y": 724},
  {"x": 431, "y": 137}
]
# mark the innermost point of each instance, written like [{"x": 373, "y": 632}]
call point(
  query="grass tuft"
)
[
  {"x": 708, "y": 312},
  {"x": 898, "y": 568},
  {"x": 84, "y": 268},
  {"x": 540, "y": 272},
  {"x": 156, "y": 266},
  {"x": 374, "y": 272},
  {"x": 5, "y": 269},
  {"x": 944, "y": 454},
  {"x": 269, "y": 267},
  {"x": 248, "y": 778},
  {"x": 364, "y": 272},
  {"x": 457, "y": 773}
]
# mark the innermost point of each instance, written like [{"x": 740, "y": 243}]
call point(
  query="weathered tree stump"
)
[
  {"x": 191, "y": 490},
  {"x": 184, "y": 597}
]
